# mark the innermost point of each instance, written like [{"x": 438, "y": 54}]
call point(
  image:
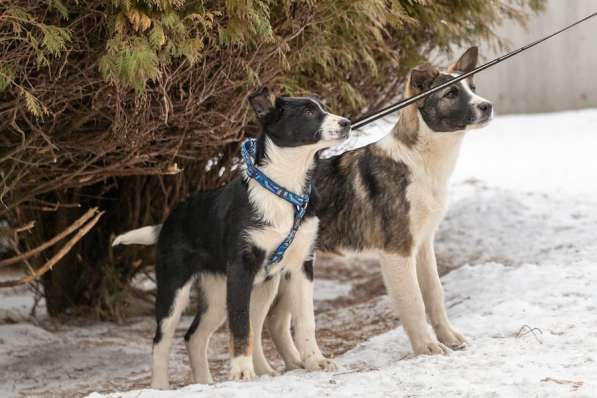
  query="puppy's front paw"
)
[
  {"x": 430, "y": 347},
  {"x": 313, "y": 364},
  {"x": 451, "y": 337},
  {"x": 241, "y": 369}
]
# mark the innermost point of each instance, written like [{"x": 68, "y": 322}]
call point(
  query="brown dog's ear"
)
[
  {"x": 467, "y": 62},
  {"x": 422, "y": 77},
  {"x": 261, "y": 102}
]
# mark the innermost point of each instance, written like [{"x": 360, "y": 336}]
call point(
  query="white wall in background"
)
[{"x": 559, "y": 74}]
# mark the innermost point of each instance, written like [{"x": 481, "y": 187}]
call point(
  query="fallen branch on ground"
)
[
  {"x": 61, "y": 253},
  {"x": 73, "y": 227},
  {"x": 575, "y": 384}
]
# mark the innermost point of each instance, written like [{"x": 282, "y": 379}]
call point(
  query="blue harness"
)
[{"x": 299, "y": 202}]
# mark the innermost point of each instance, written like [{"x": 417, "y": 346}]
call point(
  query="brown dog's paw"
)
[
  {"x": 432, "y": 347},
  {"x": 451, "y": 338},
  {"x": 320, "y": 364}
]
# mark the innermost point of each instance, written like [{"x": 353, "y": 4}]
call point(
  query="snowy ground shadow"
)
[{"x": 495, "y": 225}]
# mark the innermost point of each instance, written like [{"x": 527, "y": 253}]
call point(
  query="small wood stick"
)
[
  {"x": 73, "y": 227},
  {"x": 18, "y": 230},
  {"x": 51, "y": 262}
]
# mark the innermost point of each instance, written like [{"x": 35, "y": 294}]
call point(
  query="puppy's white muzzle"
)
[{"x": 335, "y": 127}]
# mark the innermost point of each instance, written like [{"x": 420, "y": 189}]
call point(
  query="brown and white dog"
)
[{"x": 388, "y": 198}]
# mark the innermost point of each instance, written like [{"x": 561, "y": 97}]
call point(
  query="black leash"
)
[{"x": 406, "y": 102}]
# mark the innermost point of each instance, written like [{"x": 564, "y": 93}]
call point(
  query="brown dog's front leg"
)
[
  {"x": 433, "y": 296},
  {"x": 400, "y": 277}
]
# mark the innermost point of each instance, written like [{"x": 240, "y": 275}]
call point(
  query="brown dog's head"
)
[{"x": 456, "y": 107}]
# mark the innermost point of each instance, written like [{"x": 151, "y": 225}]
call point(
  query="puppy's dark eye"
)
[
  {"x": 308, "y": 112},
  {"x": 473, "y": 87},
  {"x": 453, "y": 93}
]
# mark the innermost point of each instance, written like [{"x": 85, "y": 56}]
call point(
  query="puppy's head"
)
[
  {"x": 456, "y": 107},
  {"x": 298, "y": 121}
]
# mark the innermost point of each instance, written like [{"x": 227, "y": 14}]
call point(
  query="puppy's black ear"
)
[
  {"x": 317, "y": 99},
  {"x": 261, "y": 102},
  {"x": 467, "y": 62},
  {"x": 422, "y": 77}
]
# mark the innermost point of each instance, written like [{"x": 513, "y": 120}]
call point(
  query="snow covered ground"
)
[
  {"x": 532, "y": 329},
  {"x": 520, "y": 240}
]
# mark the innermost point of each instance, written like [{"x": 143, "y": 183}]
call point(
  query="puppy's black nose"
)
[
  {"x": 345, "y": 123},
  {"x": 485, "y": 108}
]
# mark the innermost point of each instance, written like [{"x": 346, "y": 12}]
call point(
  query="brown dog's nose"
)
[{"x": 485, "y": 107}]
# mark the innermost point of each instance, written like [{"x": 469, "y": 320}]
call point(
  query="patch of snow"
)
[
  {"x": 34, "y": 361},
  {"x": 5, "y": 243},
  {"x": 327, "y": 289},
  {"x": 143, "y": 282},
  {"x": 488, "y": 224},
  {"x": 16, "y": 303},
  {"x": 549, "y": 153},
  {"x": 23, "y": 335},
  {"x": 16, "y": 307}
]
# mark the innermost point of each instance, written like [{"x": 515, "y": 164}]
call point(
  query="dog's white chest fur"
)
[
  {"x": 431, "y": 162},
  {"x": 278, "y": 214},
  {"x": 428, "y": 203}
]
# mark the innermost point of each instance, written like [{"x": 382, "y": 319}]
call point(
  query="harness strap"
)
[{"x": 299, "y": 202}]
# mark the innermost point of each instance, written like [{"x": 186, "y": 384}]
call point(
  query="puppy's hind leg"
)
[
  {"x": 211, "y": 315},
  {"x": 171, "y": 301},
  {"x": 261, "y": 301},
  {"x": 278, "y": 323},
  {"x": 300, "y": 290}
]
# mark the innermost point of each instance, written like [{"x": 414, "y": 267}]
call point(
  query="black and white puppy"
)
[{"x": 221, "y": 240}]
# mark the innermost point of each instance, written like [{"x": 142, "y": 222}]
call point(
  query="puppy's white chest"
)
[
  {"x": 279, "y": 216},
  {"x": 296, "y": 254}
]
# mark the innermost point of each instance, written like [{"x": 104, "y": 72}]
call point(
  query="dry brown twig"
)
[
  {"x": 526, "y": 329},
  {"x": 61, "y": 253},
  {"x": 24, "y": 228},
  {"x": 73, "y": 227},
  {"x": 576, "y": 384}
]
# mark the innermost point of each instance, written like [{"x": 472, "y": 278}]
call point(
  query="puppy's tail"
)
[{"x": 143, "y": 236}]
